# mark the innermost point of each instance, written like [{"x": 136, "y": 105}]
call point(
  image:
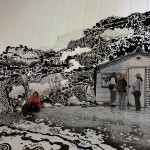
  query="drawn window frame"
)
[{"x": 105, "y": 80}]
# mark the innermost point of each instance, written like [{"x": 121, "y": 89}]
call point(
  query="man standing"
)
[
  {"x": 113, "y": 90},
  {"x": 122, "y": 90}
]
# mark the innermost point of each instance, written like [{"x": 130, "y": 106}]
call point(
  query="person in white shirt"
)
[
  {"x": 114, "y": 90},
  {"x": 137, "y": 88},
  {"x": 24, "y": 82}
]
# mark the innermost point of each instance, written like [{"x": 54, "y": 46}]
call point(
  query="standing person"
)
[
  {"x": 122, "y": 90},
  {"x": 113, "y": 90},
  {"x": 137, "y": 88}
]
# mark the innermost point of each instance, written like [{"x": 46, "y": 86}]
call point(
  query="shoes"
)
[
  {"x": 28, "y": 115},
  {"x": 112, "y": 106},
  {"x": 122, "y": 109},
  {"x": 128, "y": 104}
]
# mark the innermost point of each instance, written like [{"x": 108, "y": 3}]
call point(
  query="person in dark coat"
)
[
  {"x": 122, "y": 90},
  {"x": 33, "y": 104},
  {"x": 137, "y": 89}
]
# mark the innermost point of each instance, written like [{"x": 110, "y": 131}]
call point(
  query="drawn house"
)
[{"x": 132, "y": 63}]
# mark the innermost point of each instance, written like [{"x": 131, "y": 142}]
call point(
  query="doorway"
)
[{"x": 131, "y": 80}]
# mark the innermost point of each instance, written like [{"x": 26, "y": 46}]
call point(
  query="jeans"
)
[
  {"x": 122, "y": 99},
  {"x": 137, "y": 95},
  {"x": 112, "y": 96},
  {"x": 28, "y": 108}
]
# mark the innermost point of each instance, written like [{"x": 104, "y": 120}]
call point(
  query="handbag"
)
[{"x": 110, "y": 86}]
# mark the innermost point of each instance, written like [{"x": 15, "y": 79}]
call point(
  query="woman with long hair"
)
[
  {"x": 137, "y": 88},
  {"x": 113, "y": 90}
]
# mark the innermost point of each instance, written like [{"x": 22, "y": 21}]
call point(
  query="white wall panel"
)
[
  {"x": 77, "y": 15},
  {"x": 60, "y": 21},
  {"x": 8, "y": 10},
  {"x": 25, "y": 22},
  {"x": 139, "y": 6},
  {"x": 43, "y": 23},
  {"x": 122, "y": 8},
  {"x": 38, "y": 23},
  {"x": 148, "y": 5},
  {"x": 92, "y": 13},
  {"x": 108, "y": 8}
]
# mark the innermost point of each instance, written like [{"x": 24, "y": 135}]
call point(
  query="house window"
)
[
  {"x": 148, "y": 86},
  {"x": 105, "y": 80}
]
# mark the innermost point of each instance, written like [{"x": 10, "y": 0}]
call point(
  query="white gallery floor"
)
[{"x": 77, "y": 128}]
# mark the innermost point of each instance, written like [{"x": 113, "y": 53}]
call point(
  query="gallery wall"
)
[
  {"x": 85, "y": 35},
  {"x": 39, "y": 23}
]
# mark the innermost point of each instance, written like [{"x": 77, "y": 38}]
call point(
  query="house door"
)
[{"x": 131, "y": 80}]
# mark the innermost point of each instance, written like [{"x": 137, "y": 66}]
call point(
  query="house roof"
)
[{"x": 123, "y": 58}]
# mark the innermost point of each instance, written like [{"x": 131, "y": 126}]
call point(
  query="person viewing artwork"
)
[
  {"x": 137, "y": 88},
  {"x": 32, "y": 105},
  {"x": 122, "y": 90},
  {"x": 113, "y": 89}
]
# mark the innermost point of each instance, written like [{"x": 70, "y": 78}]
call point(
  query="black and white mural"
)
[{"x": 65, "y": 79}]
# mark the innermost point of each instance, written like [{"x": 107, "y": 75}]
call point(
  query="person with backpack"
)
[
  {"x": 122, "y": 90},
  {"x": 112, "y": 88},
  {"x": 137, "y": 88}
]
